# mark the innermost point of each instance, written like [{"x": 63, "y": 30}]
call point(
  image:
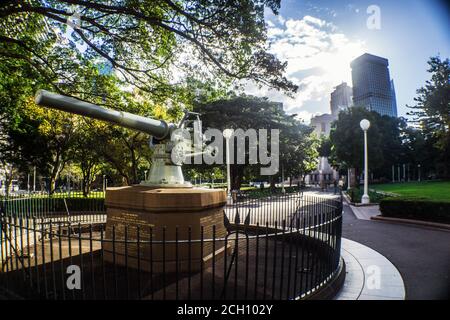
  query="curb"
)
[
  {"x": 413, "y": 222},
  {"x": 330, "y": 290}
]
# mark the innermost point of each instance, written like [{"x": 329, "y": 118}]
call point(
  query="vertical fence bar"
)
[
  {"x": 127, "y": 279},
  {"x": 102, "y": 256},
  {"x": 275, "y": 240},
  {"x": 44, "y": 270},
  {"x": 38, "y": 280},
  {"x": 91, "y": 256},
  {"x": 176, "y": 263},
  {"x": 201, "y": 262},
  {"x": 52, "y": 264},
  {"x": 61, "y": 262},
  {"x": 164, "y": 261},
  {"x": 116, "y": 287},
  {"x": 151, "y": 262},
  {"x": 255, "y": 291},
  {"x": 266, "y": 251},
  {"x": 138, "y": 248},
  {"x": 213, "y": 282},
  {"x": 30, "y": 274},
  {"x": 80, "y": 252},
  {"x": 189, "y": 261}
]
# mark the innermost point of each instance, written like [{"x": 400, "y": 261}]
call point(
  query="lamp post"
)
[
  {"x": 34, "y": 179},
  {"x": 418, "y": 171},
  {"x": 365, "y": 124},
  {"x": 227, "y": 133}
]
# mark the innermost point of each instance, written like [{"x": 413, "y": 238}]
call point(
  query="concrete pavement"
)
[{"x": 421, "y": 254}]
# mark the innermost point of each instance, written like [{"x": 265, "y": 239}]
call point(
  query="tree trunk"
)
[
  {"x": 236, "y": 173},
  {"x": 272, "y": 184},
  {"x": 8, "y": 181}
]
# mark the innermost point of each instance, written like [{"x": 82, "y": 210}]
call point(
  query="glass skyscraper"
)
[
  {"x": 372, "y": 85},
  {"x": 341, "y": 98}
]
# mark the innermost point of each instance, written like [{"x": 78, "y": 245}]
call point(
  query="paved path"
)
[
  {"x": 370, "y": 276},
  {"x": 421, "y": 254},
  {"x": 366, "y": 212}
]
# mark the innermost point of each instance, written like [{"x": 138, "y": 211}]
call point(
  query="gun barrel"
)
[{"x": 157, "y": 128}]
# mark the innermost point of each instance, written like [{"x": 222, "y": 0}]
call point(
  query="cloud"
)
[{"x": 318, "y": 57}]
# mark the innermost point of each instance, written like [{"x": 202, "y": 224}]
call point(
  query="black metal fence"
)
[{"x": 279, "y": 247}]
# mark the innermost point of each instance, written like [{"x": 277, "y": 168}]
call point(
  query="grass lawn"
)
[{"x": 434, "y": 190}]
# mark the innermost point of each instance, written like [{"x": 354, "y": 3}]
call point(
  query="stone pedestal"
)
[{"x": 168, "y": 223}]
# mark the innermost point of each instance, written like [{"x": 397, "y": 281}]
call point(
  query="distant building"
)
[
  {"x": 394, "y": 99},
  {"x": 324, "y": 174},
  {"x": 341, "y": 99},
  {"x": 372, "y": 85},
  {"x": 322, "y": 124}
]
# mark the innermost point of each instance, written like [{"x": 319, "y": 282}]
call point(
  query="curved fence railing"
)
[{"x": 281, "y": 247}]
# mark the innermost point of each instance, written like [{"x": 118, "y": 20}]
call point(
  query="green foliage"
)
[
  {"x": 257, "y": 193},
  {"x": 384, "y": 140},
  {"x": 151, "y": 44},
  {"x": 356, "y": 194},
  {"x": 432, "y": 110},
  {"x": 297, "y": 145},
  {"x": 54, "y": 205},
  {"x": 165, "y": 54},
  {"x": 433, "y": 190},
  {"x": 418, "y": 209},
  {"x": 325, "y": 147}
]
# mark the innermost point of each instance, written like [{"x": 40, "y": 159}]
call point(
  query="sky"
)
[{"x": 319, "y": 38}]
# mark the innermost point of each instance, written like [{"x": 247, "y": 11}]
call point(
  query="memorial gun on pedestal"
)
[
  {"x": 164, "y": 201},
  {"x": 168, "y": 144}
]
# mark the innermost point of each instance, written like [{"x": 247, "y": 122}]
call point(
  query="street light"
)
[
  {"x": 227, "y": 133},
  {"x": 365, "y": 124}
]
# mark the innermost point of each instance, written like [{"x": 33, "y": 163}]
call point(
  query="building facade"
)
[
  {"x": 322, "y": 124},
  {"x": 373, "y": 88},
  {"x": 324, "y": 174},
  {"x": 341, "y": 98}
]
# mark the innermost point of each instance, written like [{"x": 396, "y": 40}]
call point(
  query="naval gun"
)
[
  {"x": 170, "y": 145},
  {"x": 164, "y": 201}
]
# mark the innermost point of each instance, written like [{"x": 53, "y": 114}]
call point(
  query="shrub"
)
[
  {"x": 356, "y": 194},
  {"x": 47, "y": 204},
  {"x": 418, "y": 209},
  {"x": 266, "y": 192}
]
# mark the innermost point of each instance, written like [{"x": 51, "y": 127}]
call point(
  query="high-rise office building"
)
[
  {"x": 394, "y": 99},
  {"x": 372, "y": 85},
  {"x": 341, "y": 98}
]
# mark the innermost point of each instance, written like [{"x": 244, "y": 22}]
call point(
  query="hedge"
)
[
  {"x": 356, "y": 194},
  {"x": 43, "y": 205},
  {"x": 417, "y": 209}
]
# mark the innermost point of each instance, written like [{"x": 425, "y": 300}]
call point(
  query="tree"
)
[
  {"x": 144, "y": 41},
  {"x": 93, "y": 50},
  {"x": 85, "y": 156},
  {"x": 432, "y": 110},
  {"x": 384, "y": 141},
  {"x": 246, "y": 112}
]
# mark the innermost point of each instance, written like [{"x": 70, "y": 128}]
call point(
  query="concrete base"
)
[
  {"x": 365, "y": 199},
  {"x": 161, "y": 216}
]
